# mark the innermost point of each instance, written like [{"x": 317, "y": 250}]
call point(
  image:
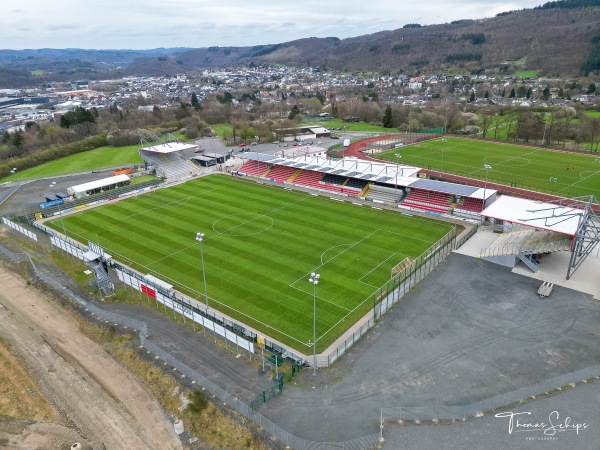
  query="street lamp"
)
[
  {"x": 200, "y": 238},
  {"x": 314, "y": 279},
  {"x": 486, "y": 167}
]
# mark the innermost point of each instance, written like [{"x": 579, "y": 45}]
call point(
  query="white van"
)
[{"x": 400, "y": 145}]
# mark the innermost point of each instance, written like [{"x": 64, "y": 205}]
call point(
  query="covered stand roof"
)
[
  {"x": 98, "y": 184},
  {"x": 349, "y": 167},
  {"x": 169, "y": 147},
  {"x": 392, "y": 174},
  {"x": 545, "y": 216}
]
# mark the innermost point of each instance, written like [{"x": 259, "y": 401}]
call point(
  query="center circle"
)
[
  {"x": 243, "y": 224},
  {"x": 517, "y": 161}
]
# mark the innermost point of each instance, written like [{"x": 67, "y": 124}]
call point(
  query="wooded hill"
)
[{"x": 557, "y": 39}]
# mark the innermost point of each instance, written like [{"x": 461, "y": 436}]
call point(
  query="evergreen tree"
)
[
  {"x": 546, "y": 93},
  {"x": 294, "y": 112},
  {"x": 195, "y": 102},
  {"x": 387, "y": 117}
]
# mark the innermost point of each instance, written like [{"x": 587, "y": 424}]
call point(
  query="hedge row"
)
[{"x": 53, "y": 153}]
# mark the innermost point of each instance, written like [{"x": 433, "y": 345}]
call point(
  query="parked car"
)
[
  {"x": 199, "y": 150},
  {"x": 335, "y": 137},
  {"x": 253, "y": 143},
  {"x": 275, "y": 142},
  {"x": 243, "y": 144}
]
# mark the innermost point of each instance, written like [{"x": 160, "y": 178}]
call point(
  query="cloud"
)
[
  {"x": 59, "y": 27},
  {"x": 151, "y": 23}
]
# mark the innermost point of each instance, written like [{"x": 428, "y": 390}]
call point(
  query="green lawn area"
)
[
  {"x": 593, "y": 114},
  {"x": 353, "y": 126},
  {"x": 81, "y": 162},
  {"x": 223, "y": 130},
  {"x": 260, "y": 245},
  {"x": 527, "y": 73},
  {"x": 512, "y": 165}
]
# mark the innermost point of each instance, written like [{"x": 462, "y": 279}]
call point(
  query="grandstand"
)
[
  {"x": 377, "y": 182},
  {"x": 171, "y": 159},
  {"x": 547, "y": 228}
]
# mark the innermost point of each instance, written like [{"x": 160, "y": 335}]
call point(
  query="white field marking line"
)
[
  {"x": 346, "y": 316},
  {"x": 248, "y": 221},
  {"x": 343, "y": 251},
  {"x": 165, "y": 205},
  {"x": 320, "y": 298},
  {"x": 220, "y": 234},
  {"x": 375, "y": 268},
  {"x": 258, "y": 215},
  {"x": 335, "y": 246},
  {"x": 508, "y": 159},
  {"x": 579, "y": 181}
]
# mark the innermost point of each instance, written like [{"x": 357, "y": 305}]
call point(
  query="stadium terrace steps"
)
[
  {"x": 471, "y": 204},
  {"x": 527, "y": 242},
  {"x": 294, "y": 175},
  {"x": 385, "y": 194},
  {"x": 309, "y": 178},
  {"x": 254, "y": 168},
  {"x": 428, "y": 200},
  {"x": 281, "y": 173},
  {"x": 171, "y": 164}
]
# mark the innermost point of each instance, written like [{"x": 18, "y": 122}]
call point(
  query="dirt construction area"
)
[{"x": 103, "y": 405}]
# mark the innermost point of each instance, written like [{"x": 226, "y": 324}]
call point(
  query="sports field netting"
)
[
  {"x": 556, "y": 172},
  {"x": 260, "y": 245}
]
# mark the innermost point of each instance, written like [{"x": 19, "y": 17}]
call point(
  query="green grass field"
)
[
  {"x": 261, "y": 243},
  {"x": 512, "y": 165},
  {"x": 81, "y": 162}
]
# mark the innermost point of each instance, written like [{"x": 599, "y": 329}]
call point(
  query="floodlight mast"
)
[
  {"x": 486, "y": 167},
  {"x": 200, "y": 238},
  {"x": 314, "y": 279}
]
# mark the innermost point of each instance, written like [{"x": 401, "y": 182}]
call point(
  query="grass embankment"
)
[{"x": 99, "y": 158}]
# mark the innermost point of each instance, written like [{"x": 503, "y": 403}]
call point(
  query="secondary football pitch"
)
[
  {"x": 260, "y": 246},
  {"x": 560, "y": 173}
]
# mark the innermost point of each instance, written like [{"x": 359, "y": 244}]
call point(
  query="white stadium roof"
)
[
  {"x": 98, "y": 184},
  {"x": 545, "y": 216},
  {"x": 169, "y": 147}
]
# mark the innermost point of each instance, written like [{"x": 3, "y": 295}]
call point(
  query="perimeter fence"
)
[{"x": 213, "y": 390}]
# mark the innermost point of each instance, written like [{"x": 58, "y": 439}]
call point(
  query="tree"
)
[
  {"x": 77, "y": 116},
  {"x": 472, "y": 97},
  {"x": 512, "y": 93},
  {"x": 591, "y": 129},
  {"x": 486, "y": 120},
  {"x": 294, "y": 112},
  {"x": 591, "y": 88},
  {"x": 546, "y": 93},
  {"x": 387, "y": 117},
  {"x": 17, "y": 138},
  {"x": 195, "y": 102}
]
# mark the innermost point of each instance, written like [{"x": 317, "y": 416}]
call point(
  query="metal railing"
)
[{"x": 205, "y": 384}]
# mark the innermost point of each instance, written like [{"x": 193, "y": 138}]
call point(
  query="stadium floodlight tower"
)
[
  {"x": 200, "y": 238},
  {"x": 314, "y": 279},
  {"x": 486, "y": 167}
]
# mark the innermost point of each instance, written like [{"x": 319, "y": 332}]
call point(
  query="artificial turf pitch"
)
[
  {"x": 565, "y": 174},
  {"x": 260, "y": 246}
]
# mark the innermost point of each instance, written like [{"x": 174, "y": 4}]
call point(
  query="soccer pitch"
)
[
  {"x": 560, "y": 173},
  {"x": 260, "y": 246}
]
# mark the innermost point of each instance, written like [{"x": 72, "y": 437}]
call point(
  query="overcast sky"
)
[{"x": 143, "y": 24}]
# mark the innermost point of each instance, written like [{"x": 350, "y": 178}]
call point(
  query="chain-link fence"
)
[
  {"x": 388, "y": 294},
  {"x": 205, "y": 384}
]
